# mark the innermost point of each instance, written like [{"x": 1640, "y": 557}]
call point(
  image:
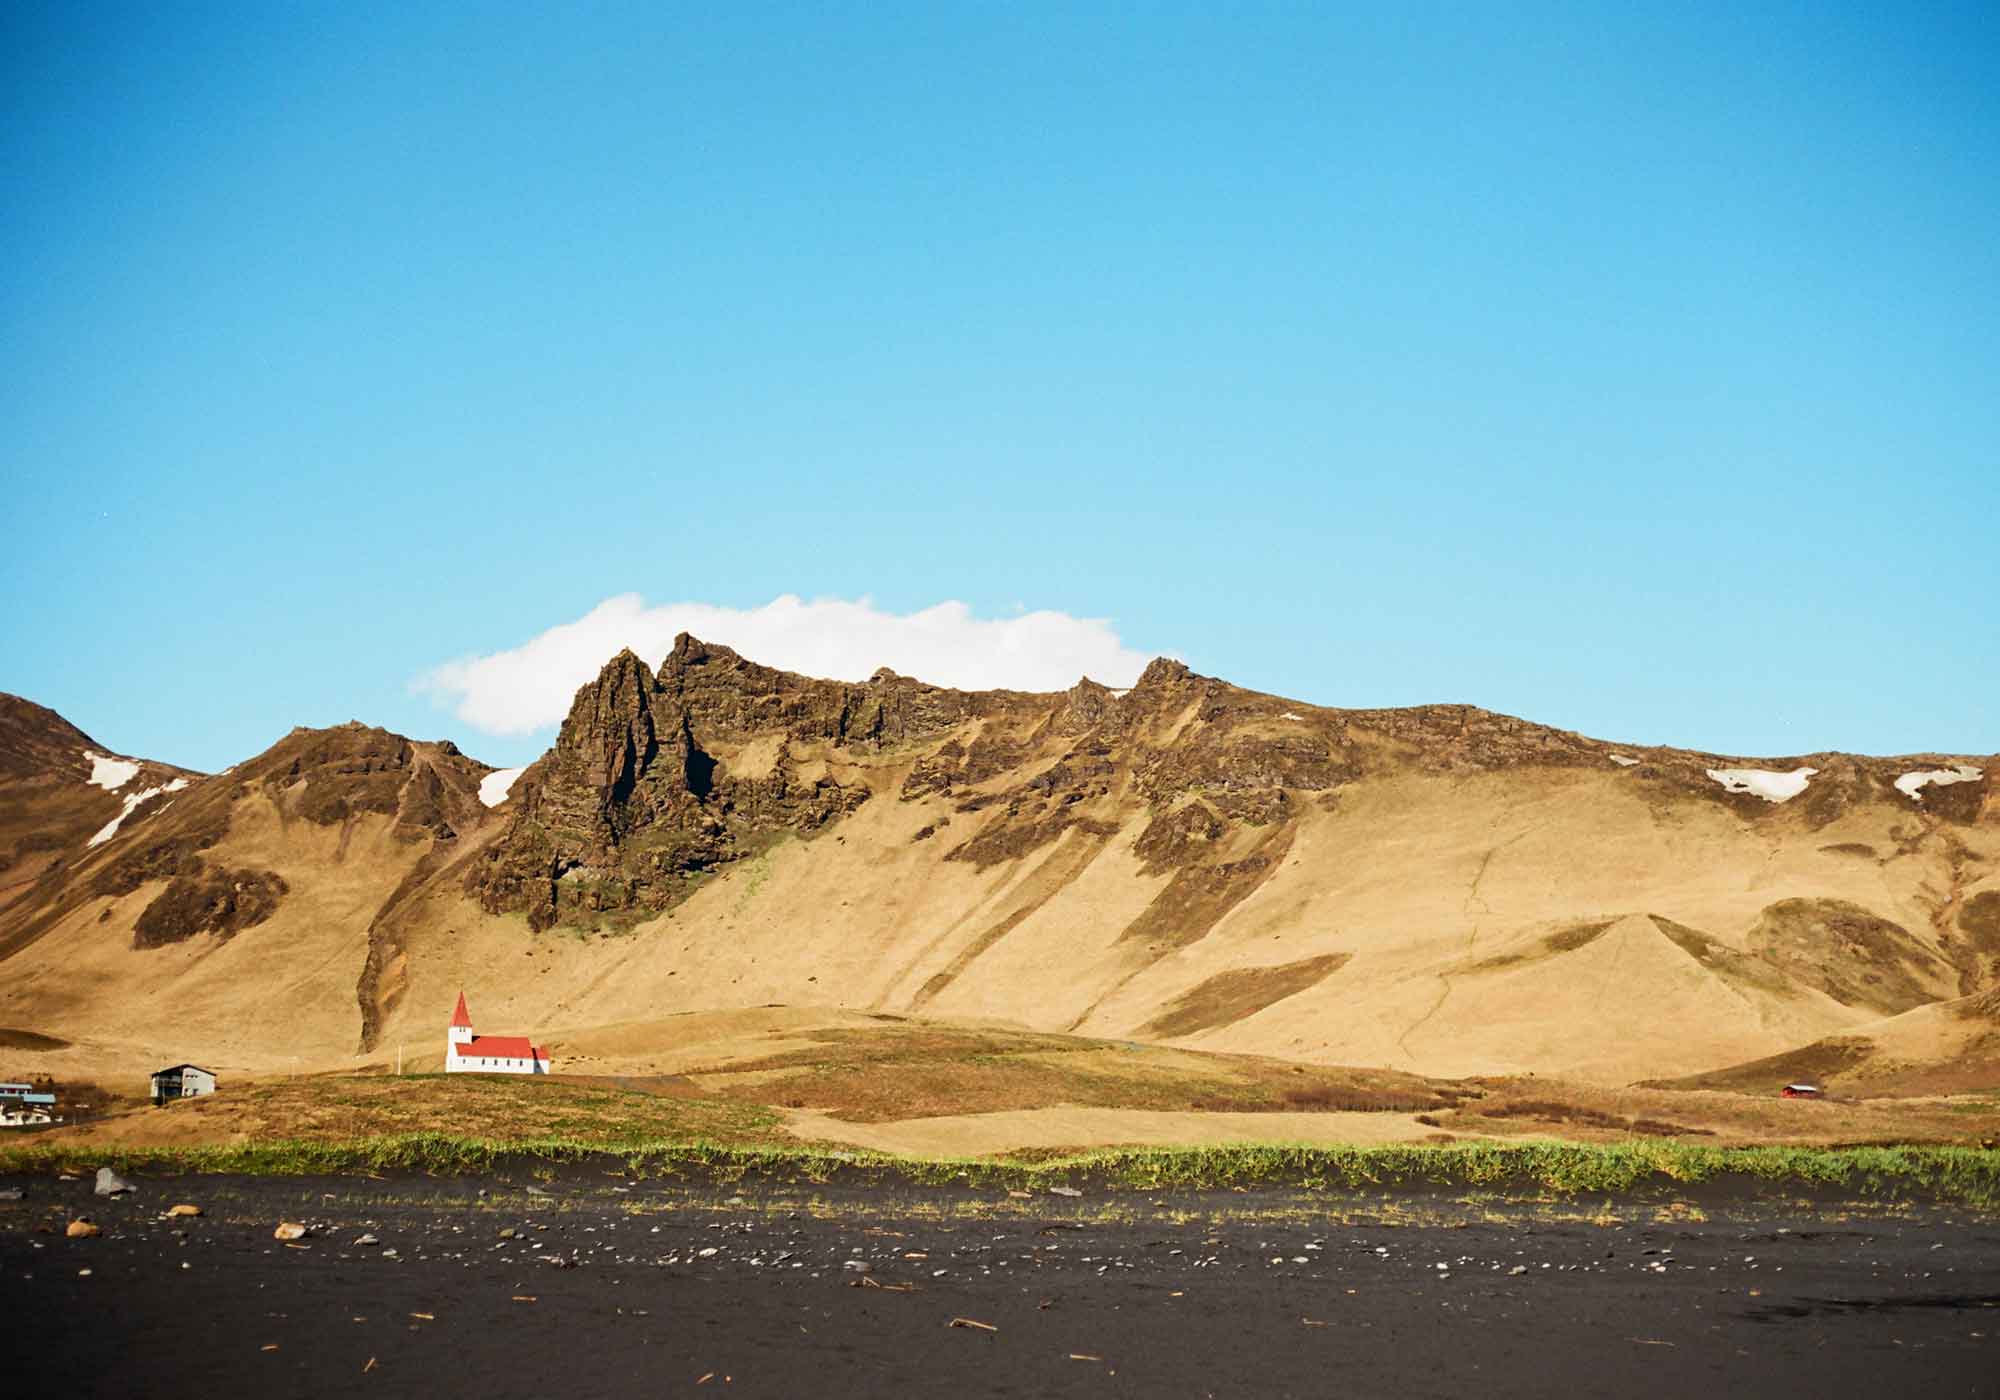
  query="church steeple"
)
[{"x": 461, "y": 1028}]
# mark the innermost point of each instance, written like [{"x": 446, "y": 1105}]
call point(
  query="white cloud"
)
[{"x": 530, "y": 686}]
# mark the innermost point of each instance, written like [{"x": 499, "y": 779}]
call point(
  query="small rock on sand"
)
[
  {"x": 184, "y": 1209},
  {"x": 288, "y": 1230},
  {"x": 109, "y": 1183},
  {"x": 81, "y": 1230}
]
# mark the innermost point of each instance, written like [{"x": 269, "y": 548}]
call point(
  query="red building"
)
[{"x": 469, "y": 1053}]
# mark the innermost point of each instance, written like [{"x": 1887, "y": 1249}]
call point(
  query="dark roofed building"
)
[{"x": 182, "y": 1082}]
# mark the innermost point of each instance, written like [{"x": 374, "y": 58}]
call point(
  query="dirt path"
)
[{"x": 1014, "y": 1130}]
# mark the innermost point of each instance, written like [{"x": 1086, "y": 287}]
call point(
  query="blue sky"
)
[{"x": 1632, "y": 368}]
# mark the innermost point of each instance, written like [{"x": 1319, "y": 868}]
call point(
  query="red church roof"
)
[
  {"x": 501, "y": 1047},
  {"x": 460, "y": 1017}
]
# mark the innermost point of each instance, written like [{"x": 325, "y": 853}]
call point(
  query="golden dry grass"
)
[
  {"x": 346, "y": 1107},
  {"x": 940, "y": 1091},
  {"x": 918, "y": 1070},
  {"x": 1588, "y": 1113}
]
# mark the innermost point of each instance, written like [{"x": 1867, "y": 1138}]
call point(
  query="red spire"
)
[{"x": 459, "y": 1017}]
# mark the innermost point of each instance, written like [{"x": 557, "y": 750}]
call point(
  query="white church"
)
[{"x": 466, "y": 1053}]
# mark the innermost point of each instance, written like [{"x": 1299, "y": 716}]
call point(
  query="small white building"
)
[
  {"x": 182, "y": 1082},
  {"x": 21, "y": 1106},
  {"x": 467, "y": 1053}
]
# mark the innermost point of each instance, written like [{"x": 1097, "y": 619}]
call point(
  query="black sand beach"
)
[{"x": 593, "y": 1284}]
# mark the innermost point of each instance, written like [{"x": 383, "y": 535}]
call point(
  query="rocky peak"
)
[
  {"x": 610, "y": 734},
  {"x": 1085, "y": 706},
  {"x": 36, "y": 740},
  {"x": 1161, "y": 672},
  {"x": 328, "y": 776},
  {"x": 626, "y": 670},
  {"x": 690, "y": 651},
  {"x": 632, "y": 803}
]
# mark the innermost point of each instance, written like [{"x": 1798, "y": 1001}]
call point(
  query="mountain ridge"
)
[{"x": 1181, "y": 860}]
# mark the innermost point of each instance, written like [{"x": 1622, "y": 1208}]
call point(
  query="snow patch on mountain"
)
[
  {"x": 494, "y": 787},
  {"x": 1762, "y": 782},
  {"x": 1910, "y": 784},
  {"x": 110, "y": 773},
  {"x": 110, "y": 828}
]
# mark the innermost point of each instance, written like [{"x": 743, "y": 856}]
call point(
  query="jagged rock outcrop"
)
[{"x": 635, "y": 801}]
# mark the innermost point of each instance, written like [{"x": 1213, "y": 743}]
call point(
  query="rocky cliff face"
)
[
  {"x": 652, "y": 781},
  {"x": 658, "y": 779}
]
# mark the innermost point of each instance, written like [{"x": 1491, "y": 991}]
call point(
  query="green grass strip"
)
[{"x": 1966, "y": 1174}]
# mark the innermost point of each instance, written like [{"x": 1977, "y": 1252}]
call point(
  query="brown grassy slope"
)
[
  {"x": 48, "y": 806},
  {"x": 1754, "y": 1116},
  {"x": 938, "y": 1090},
  {"x": 882, "y": 1073},
  {"x": 1946, "y": 1048},
  {"x": 230, "y": 927}
]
